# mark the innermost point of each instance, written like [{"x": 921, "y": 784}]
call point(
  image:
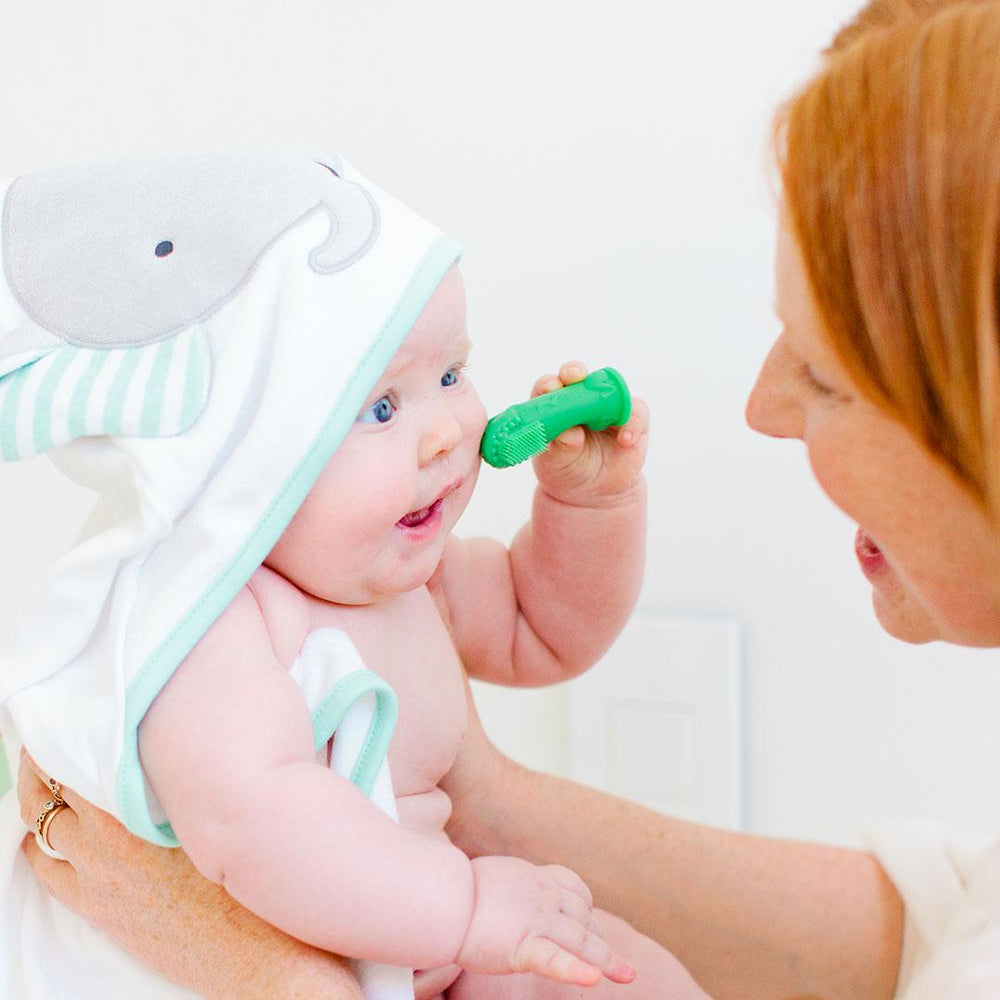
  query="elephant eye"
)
[{"x": 162, "y": 249}]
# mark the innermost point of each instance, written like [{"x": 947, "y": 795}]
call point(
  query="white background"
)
[{"x": 606, "y": 168}]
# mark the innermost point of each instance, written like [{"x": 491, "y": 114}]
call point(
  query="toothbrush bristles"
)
[{"x": 521, "y": 444}]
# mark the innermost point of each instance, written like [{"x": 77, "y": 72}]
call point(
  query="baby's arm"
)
[
  {"x": 228, "y": 748},
  {"x": 565, "y": 588}
]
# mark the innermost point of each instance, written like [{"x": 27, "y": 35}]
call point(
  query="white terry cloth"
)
[
  {"x": 345, "y": 698},
  {"x": 950, "y": 888},
  {"x": 191, "y": 338},
  {"x": 49, "y": 953}
]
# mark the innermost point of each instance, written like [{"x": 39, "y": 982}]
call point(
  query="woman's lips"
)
[{"x": 869, "y": 554}]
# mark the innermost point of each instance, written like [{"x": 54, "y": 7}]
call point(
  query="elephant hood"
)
[{"x": 190, "y": 338}]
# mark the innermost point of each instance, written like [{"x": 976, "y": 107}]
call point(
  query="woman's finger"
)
[
  {"x": 74, "y": 801},
  {"x": 61, "y": 833},
  {"x": 33, "y": 792},
  {"x": 57, "y": 878}
]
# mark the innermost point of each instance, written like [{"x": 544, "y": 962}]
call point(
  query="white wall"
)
[{"x": 605, "y": 167}]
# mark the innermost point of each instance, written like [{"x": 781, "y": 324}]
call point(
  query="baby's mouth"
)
[{"x": 417, "y": 517}]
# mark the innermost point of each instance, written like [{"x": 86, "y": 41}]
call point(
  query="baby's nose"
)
[{"x": 441, "y": 437}]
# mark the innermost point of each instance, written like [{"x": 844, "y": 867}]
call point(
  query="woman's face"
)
[{"x": 927, "y": 549}]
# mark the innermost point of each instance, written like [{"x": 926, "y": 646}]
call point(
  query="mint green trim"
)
[
  {"x": 46, "y": 393},
  {"x": 327, "y": 718},
  {"x": 164, "y": 660},
  {"x": 331, "y": 711},
  {"x": 112, "y": 420},
  {"x": 195, "y": 380},
  {"x": 152, "y": 406},
  {"x": 8, "y": 414},
  {"x": 80, "y": 399}
]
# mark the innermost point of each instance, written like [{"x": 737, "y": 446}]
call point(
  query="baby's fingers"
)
[
  {"x": 636, "y": 427},
  {"x": 546, "y": 958},
  {"x": 570, "y": 372},
  {"x": 583, "y": 940},
  {"x": 571, "y": 882},
  {"x": 545, "y": 383}
]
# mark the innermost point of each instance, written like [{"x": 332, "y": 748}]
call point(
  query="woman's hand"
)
[
  {"x": 480, "y": 784},
  {"x": 155, "y": 905}
]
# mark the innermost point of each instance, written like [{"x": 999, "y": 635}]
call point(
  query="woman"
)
[{"x": 887, "y": 369}]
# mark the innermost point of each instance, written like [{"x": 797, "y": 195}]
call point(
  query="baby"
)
[
  {"x": 303, "y": 848},
  {"x": 237, "y": 738}
]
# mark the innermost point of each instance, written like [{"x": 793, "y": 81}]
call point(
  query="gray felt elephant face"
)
[{"x": 115, "y": 259}]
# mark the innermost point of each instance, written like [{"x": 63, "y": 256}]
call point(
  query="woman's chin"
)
[{"x": 903, "y": 619}]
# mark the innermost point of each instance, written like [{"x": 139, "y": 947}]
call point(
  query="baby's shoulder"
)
[{"x": 285, "y": 610}]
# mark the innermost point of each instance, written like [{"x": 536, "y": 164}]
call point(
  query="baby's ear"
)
[
  {"x": 52, "y": 392},
  {"x": 25, "y": 344}
]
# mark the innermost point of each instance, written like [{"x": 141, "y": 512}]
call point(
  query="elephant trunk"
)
[{"x": 354, "y": 226}]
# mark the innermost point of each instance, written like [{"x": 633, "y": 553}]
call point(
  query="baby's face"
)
[{"x": 376, "y": 520}]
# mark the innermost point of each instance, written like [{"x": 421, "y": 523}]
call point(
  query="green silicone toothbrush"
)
[{"x": 601, "y": 400}]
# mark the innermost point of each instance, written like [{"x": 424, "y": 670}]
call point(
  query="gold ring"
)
[
  {"x": 56, "y": 789},
  {"x": 47, "y": 822},
  {"x": 44, "y": 820}
]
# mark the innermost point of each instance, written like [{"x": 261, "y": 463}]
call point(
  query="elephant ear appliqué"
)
[{"x": 119, "y": 270}]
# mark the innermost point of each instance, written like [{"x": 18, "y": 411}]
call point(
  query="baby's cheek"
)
[
  {"x": 474, "y": 430},
  {"x": 302, "y": 544}
]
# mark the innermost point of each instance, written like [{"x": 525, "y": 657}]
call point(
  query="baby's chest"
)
[{"x": 407, "y": 645}]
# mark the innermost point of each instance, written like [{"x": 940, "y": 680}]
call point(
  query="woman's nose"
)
[
  {"x": 441, "y": 437},
  {"x": 774, "y": 407}
]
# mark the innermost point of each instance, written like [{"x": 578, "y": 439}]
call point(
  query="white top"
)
[{"x": 950, "y": 886}]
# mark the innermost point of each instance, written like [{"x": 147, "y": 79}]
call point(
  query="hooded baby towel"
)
[{"x": 191, "y": 338}]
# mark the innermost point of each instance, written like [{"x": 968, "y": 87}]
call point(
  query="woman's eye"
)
[
  {"x": 380, "y": 412},
  {"x": 814, "y": 383}
]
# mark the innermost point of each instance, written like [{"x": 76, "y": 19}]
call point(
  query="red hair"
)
[{"x": 890, "y": 167}]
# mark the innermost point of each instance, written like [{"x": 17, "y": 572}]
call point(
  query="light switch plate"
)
[{"x": 660, "y": 719}]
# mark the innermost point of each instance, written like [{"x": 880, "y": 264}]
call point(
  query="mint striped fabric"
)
[{"x": 157, "y": 390}]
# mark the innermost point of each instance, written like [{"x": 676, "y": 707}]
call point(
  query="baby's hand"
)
[
  {"x": 587, "y": 468},
  {"x": 533, "y": 919}
]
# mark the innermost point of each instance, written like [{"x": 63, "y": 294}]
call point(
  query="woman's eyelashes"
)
[{"x": 807, "y": 375}]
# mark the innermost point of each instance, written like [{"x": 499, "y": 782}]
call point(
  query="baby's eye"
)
[
  {"x": 452, "y": 375},
  {"x": 380, "y": 412}
]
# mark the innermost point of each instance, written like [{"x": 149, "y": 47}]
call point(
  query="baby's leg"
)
[{"x": 659, "y": 976}]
